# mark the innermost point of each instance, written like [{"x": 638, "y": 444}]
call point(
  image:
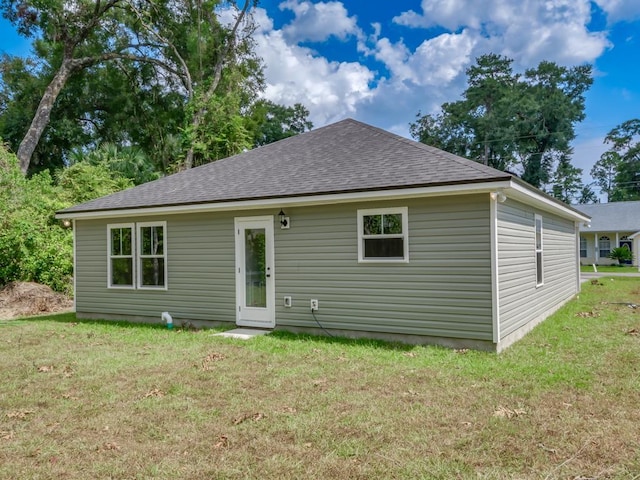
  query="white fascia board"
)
[
  {"x": 531, "y": 197},
  {"x": 637, "y": 234},
  {"x": 307, "y": 200}
]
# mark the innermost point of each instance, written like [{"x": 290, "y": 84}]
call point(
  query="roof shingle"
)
[{"x": 347, "y": 156}]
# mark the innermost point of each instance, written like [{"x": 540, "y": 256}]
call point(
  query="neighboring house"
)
[
  {"x": 394, "y": 239},
  {"x": 612, "y": 225}
]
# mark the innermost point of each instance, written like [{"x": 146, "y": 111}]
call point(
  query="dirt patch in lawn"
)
[{"x": 20, "y": 299}]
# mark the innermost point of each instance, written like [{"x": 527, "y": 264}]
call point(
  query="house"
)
[
  {"x": 612, "y": 225},
  {"x": 391, "y": 238}
]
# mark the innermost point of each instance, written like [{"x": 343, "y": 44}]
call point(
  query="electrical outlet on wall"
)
[
  {"x": 288, "y": 302},
  {"x": 314, "y": 304}
]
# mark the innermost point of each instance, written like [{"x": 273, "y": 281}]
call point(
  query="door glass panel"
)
[{"x": 255, "y": 267}]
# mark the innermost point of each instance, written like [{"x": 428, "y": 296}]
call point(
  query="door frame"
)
[{"x": 261, "y": 317}]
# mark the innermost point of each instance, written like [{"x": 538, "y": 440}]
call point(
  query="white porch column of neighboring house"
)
[
  {"x": 635, "y": 238},
  {"x": 617, "y": 241},
  {"x": 596, "y": 252}
]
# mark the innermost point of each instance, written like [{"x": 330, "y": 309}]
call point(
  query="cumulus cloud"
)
[
  {"x": 620, "y": 10},
  {"x": 295, "y": 74},
  {"x": 528, "y": 31},
  {"x": 317, "y": 22}
]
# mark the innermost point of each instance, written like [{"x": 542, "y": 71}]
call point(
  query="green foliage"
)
[
  {"x": 508, "y": 120},
  {"x": 34, "y": 246},
  {"x": 83, "y": 182},
  {"x": 618, "y": 170},
  {"x": 124, "y": 162},
  {"x": 621, "y": 254},
  {"x": 270, "y": 122},
  {"x": 604, "y": 172},
  {"x": 567, "y": 181}
]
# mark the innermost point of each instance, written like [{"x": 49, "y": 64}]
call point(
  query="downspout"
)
[
  {"x": 577, "y": 240},
  {"x": 75, "y": 263},
  {"x": 494, "y": 197}
]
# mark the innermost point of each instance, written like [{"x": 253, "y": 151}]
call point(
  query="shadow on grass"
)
[
  {"x": 70, "y": 318},
  {"x": 346, "y": 341}
]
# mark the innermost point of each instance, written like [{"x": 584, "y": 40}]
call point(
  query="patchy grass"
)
[
  {"x": 106, "y": 400},
  {"x": 610, "y": 268}
]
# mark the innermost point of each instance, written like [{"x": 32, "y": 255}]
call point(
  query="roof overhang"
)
[{"x": 509, "y": 187}]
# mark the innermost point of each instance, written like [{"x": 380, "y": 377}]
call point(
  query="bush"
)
[
  {"x": 34, "y": 246},
  {"x": 621, "y": 254}
]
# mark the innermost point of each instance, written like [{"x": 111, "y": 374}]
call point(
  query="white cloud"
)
[
  {"x": 528, "y": 31},
  {"x": 330, "y": 90},
  {"x": 317, "y": 22},
  {"x": 620, "y": 10}
]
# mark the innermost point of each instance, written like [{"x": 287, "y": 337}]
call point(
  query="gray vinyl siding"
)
[
  {"x": 520, "y": 300},
  {"x": 201, "y": 266},
  {"x": 444, "y": 290}
]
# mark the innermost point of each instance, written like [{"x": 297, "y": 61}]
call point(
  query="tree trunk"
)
[{"x": 42, "y": 115}]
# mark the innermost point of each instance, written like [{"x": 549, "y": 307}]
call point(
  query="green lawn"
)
[
  {"x": 103, "y": 400},
  {"x": 610, "y": 269}
]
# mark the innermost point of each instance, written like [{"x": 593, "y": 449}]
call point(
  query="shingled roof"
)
[
  {"x": 611, "y": 217},
  {"x": 347, "y": 156}
]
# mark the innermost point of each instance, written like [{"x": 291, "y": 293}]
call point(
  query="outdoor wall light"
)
[
  {"x": 66, "y": 223},
  {"x": 284, "y": 220}
]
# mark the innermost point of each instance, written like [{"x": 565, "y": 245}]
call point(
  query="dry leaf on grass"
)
[
  {"x": 21, "y": 414},
  {"x": 409, "y": 354},
  {"x": 504, "y": 412},
  {"x": 156, "y": 392},
  {"x": 249, "y": 416},
  {"x": 287, "y": 409},
  {"x": 319, "y": 382},
  {"x": 109, "y": 446},
  {"x": 634, "y": 332},
  {"x": 45, "y": 368},
  {"x": 209, "y": 359},
  {"x": 6, "y": 434},
  {"x": 223, "y": 442},
  {"x": 547, "y": 449},
  {"x": 461, "y": 351},
  {"x": 590, "y": 314}
]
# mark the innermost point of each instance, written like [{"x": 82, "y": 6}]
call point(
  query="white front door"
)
[{"x": 255, "y": 281}]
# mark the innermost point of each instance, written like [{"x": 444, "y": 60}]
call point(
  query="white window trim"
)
[
  {"x": 113, "y": 226},
  {"x": 600, "y": 246},
  {"x": 140, "y": 257},
  {"x": 404, "y": 211},
  {"x": 585, "y": 249},
  {"x": 539, "y": 250}
]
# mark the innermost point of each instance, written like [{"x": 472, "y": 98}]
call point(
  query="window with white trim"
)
[
  {"x": 583, "y": 247},
  {"x": 383, "y": 235},
  {"x": 152, "y": 264},
  {"x": 539, "y": 250},
  {"x": 120, "y": 238},
  {"x": 604, "y": 244}
]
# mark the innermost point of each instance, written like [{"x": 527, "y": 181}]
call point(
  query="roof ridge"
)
[{"x": 466, "y": 162}]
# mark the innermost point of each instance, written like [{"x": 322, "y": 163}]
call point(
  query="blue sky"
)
[{"x": 383, "y": 62}]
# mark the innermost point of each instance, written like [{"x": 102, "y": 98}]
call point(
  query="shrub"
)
[{"x": 621, "y": 254}]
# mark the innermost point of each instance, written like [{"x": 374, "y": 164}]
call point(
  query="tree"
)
[
  {"x": 567, "y": 181},
  {"x": 625, "y": 146},
  {"x": 184, "y": 45},
  {"x": 587, "y": 195},
  {"x": 604, "y": 172},
  {"x": 215, "y": 64},
  {"x": 508, "y": 120},
  {"x": 270, "y": 122}
]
